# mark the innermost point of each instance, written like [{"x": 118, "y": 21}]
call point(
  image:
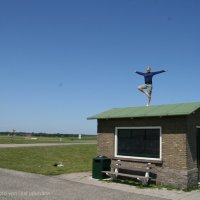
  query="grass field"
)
[
  {"x": 30, "y": 140},
  {"x": 41, "y": 160}
]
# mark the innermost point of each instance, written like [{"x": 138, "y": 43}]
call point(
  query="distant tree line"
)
[{"x": 43, "y": 134}]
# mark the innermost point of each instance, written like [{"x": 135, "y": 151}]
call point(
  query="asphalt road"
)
[
  {"x": 26, "y": 186},
  {"x": 42, "y": 144}
]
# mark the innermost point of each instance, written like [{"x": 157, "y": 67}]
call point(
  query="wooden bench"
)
[{"x": 140, "y": 174}]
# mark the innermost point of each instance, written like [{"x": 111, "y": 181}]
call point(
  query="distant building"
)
[{"x": 168, "y": 136}]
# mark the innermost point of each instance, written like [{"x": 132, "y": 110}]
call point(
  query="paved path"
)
[
  {"x": 25, "y": 186},
  {"x": 80, "y": 186},
  {"x": 86, "y": 178},
  {"x": 42, "y": 144}
]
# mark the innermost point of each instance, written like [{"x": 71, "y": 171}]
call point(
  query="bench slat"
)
[
  {"x": 125, "y": 175},
  {"x": 128, "y": 168}
]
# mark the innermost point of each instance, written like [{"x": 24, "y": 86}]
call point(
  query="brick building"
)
[{"x": 168, "y": 136}]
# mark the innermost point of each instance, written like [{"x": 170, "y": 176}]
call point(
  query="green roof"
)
[{"x": 150, "y": 111}]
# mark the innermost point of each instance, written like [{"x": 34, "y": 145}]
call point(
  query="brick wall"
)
[
  {"x": 178, "y": 165},
  {"x": 174, "y": 151},
  {"x": 192, "y": 122},
  {"x": 105, "y": 144}
]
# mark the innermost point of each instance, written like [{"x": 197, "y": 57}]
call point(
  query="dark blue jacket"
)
[{"x": 149, "y": 75}]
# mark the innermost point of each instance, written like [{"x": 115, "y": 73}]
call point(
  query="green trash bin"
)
[{"x": 100, "y": 163}]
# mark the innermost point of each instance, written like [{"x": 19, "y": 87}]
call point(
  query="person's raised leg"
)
[{"x": 142, "y": 88}]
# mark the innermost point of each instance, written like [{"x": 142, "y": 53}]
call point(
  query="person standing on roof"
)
[{"x": 146, "y": 88}]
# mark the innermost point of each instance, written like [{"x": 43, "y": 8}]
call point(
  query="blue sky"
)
[{"x": 62, "y": 61}]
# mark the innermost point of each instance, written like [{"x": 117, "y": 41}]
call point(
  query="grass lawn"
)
[
  {"x": 41, "y": 160},
  {"x": 4, "y": 139}
]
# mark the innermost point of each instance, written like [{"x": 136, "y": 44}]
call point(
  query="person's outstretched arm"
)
[
  {"x": 140, "y": 73},
  {"x": 158, "y": 72}
]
